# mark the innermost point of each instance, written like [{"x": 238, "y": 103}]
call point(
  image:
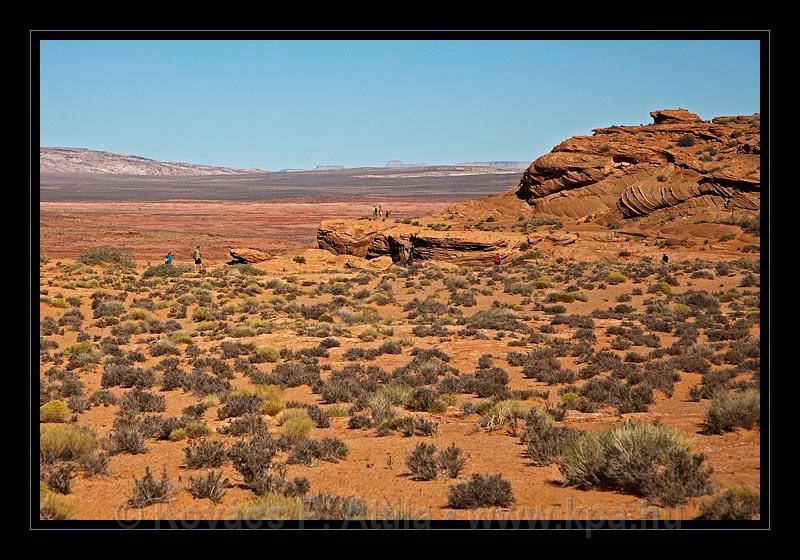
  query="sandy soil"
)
[{"x": 374, "y": 469}]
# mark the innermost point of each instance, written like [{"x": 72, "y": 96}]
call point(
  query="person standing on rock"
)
[
  {"x": 168, "y": 259},
  {"x": 387, "y": 215},
  {"x": 374, "y": 211},
  {"x": 497, "y": 259},
  {"x": 198, "y": 262}
]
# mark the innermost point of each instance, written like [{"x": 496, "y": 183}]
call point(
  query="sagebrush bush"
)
[
  {"x": 480, "y": 491},
  {"x": 422, "y": 462},
  {"x": 150, "y": 490},
  {"x": 734, "y": 504},
  {"x": 451, "y": 461},
  {"x": 209, "y": 485},
  {"x": 648, "y": 460},
  {"x": 325, "y": 449},
  {"x": 205, "y": 453},
  {"x": 544, "y": 441},
  {"x": 111, "y": 255},
  {"x": 731, "y": 409}
]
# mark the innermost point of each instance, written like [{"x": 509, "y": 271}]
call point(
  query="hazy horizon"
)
[{"x": 302, "y": 104}]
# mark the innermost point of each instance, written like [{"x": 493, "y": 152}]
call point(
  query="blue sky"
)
[{"x": 282, "y": 104}]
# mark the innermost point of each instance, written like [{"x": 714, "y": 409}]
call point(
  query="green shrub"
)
[
  {"x": 295, "y": 424},
  {"x": 734, "y": 504},
  {"x": 266, "y": 354},
  {"x": 616, "y": 278},
  {"x": 273, "y": 506},
  {"x": 685, "y": 141},
  {"x": 54, "y": 411},
  {"x": 648, "y": 460},
  {"x": 730, "y": 410},
  {"x": 54, "y": 506}
]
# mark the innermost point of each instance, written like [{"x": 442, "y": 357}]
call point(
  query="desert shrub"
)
[
  {"x": 328, "y": 506},
  {"x": 210, "y": 485},
  {"x": 627, "y": 398},
  {"x": 248, "y": 424},
  {"x": 486, "y": 382},
  {"x": 616, "y": 277},
  {"x": 126, "y": 436},
  {"x": 295, "y": 424},
  {"x": 424, "y": 399},
  {"x": 648, "y": 460},
  {"x": 94, "y": 463},
  {"x": 265, "y": 354},
  {"x": 108, "y": 308},
  {"x": 294, "y": 374},
  {"x": 451, "y": 461},
  {"x": 58, "y": 476},
  {"x": 734, "y": 504},
  {"x": 359, "y": 422},
  {"x": 138, "y": 400},
  {"x": 318, "y": 415},
  {"x": 480, "y": 491},
  {"x": 205, "y": 453},
  {"x": 253, "y": 458},
  {"x": 103, "y": 397},
  {"x": 115, "y": 375},
  {"x": 422, "y": 462},
  {"x": 497, "y": 319},
  {"x": 65, "y": 441},
  {"x": 54, "y": 411},
  {"x": 730, "y": 410},
  {"x": 544, "y": 441},
  {"x": 149, "y": 490},
  {"x": 54, "y": 506},
  {"x": 110, "y": 255},
  {"x": 239, "y": 405},
  {"x": 72, "y": 319},
  {"x": 325, "y": 449},
  {"x": 685, "y": 141}
]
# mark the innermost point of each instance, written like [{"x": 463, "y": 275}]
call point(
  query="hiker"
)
[
  {"x": 387, "y": 215},
  {"x": 374, "y": 211},
  {"x": 168, "y": 259},
  {"x": 497, "y": 259},
  {"x": 197, "y": 260}
]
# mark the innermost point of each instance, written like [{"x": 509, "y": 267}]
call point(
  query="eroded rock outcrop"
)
[
  {"x": 406, "y": 243},
  {"x": 247, "y": 255},
  {"x": 678, "y": 166}
]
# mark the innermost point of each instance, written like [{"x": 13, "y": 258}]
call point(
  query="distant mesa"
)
[
  {"x": 398, "y": 163},
  {"x": 81, "y": 160}
]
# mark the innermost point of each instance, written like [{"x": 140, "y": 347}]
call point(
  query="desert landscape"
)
[{"x": 578, "y": 339}]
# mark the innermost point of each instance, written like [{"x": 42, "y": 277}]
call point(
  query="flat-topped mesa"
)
[{"x": 679, "y": 166}]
